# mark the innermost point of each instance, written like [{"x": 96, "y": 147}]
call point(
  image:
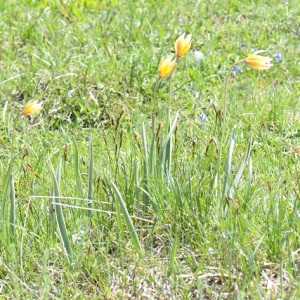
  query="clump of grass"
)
[{"x": 187, "y": 191}]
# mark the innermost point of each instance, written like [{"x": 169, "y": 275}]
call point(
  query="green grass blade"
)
[
  {"x": 12, "y": 216},
  {"x": 250, "y": 172},
  {"x": 121, "y": 234},
  {"x": 136, "y": 183},
  {"x": 169, "y": 149},
  {"x": 145, "y": 168},
  {"x": 152, "y": 155},
  {"x": 172, "y": 128},
  {"x": 228, "y": 162},
  {"x": 5, "y": 188},
  {"x": 240, "y": 171},
  {"x": 166, "y": 149},
  {"x": 77, "y": 170},
  {"x": 132, "y": 231},
  {"x": 58, "y": 211},
  {"x": 144, "y": 141},
  {"x": 90, "y": 174}
]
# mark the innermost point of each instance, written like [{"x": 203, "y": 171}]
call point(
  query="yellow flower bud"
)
[
  {"x": 183, "y": 44},
  {"x": 31, "y": 107},
  {"x": 258, "y": 62},
  {"x": 166, "y": 66}
]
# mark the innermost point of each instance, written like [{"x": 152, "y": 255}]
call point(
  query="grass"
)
[{"x": 94, "y": 206}]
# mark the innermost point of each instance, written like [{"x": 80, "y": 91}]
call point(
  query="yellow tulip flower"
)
[
  {"x": 166, "y": 66},
  {"x": 31, "y": 107},
  {"x": 257, "y": 61},
  {"x": 183, "y": 44}
]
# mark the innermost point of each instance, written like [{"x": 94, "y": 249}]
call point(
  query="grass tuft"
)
[{"x": 183, "y": 186}]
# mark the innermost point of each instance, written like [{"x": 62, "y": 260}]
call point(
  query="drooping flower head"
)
[
  {"x": 183, "y": 44},
  {"x": 31, "y": 107},
  {"x": 166, "y": 66},
  {"x": 257, "y": 61}
]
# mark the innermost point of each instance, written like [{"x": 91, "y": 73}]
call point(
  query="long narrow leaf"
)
[
  {"x": 169, "y": 135},
  {"x": 169, "y": 149},
  {"x": 166, "y": 149},
  {"x": 121, "y": 234},
  {"x": 77, "y": 171},
  {"x": 228, "y": 162},
  {"x": 58, "y": 211},
  {"x": 145, "y": 168},
  {"x": 136, "y": 183},
  {"x": 144, "y": 140},
  {"x": 90, "y": 174},
  {"x": 152, "y": 155},
  {"x": 250, "y": 172},
  {"x": 12, "y": 216},
  {"x": 132, "y": 231},
  {"x": 5, "y": 189},
  {"x": 240, "y": 171}
]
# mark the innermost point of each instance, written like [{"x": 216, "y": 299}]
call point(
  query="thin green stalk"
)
[
  {"x": 170, "y": 89},
  {"x": 76, "y": 168},
  {"x": 12, "y": 216},
  {"x": 6, "y": 182},
  {"x": 118, "y": 145},
  {"x": 169, "y": 144},
  {"x": 22, "y": 236},
  {"x": 166, "y": 148},
  {"x": 223, "y": 125},
  {"x": 155, "y": 105},
  {"x": 7, "y": 178},
  {"x": 90, "y": 175},
  {"x": 170, "y": 94},
  {"x": 146, "y": 165}
]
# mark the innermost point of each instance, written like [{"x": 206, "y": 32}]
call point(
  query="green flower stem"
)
[
  {"x": 170, "y": 92},
  {"x": 224, "y": 124},
  {"x": 155, "y": 105}
]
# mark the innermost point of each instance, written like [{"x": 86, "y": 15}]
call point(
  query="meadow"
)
[{"x": 130, "y": 186}]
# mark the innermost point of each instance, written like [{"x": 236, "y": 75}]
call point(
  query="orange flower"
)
[
  {"x": 31, "y": 107},
  {"x": 257, "y": 61},
  {"x": 166, "y": 66},
  {"x": 183, "y": 44}
]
